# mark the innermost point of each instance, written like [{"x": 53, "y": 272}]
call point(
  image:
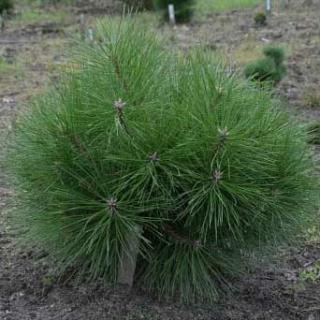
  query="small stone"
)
[{"x": 7, "y": 100}]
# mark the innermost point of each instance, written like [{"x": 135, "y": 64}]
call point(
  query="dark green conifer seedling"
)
[
  {"x": 269, "y": 69},
  {"x": 183, "y": 9},
  {"x": 139, "y": 143},
  {"x": 260, "y": 19},
  {"x": 5, "y": 6}
]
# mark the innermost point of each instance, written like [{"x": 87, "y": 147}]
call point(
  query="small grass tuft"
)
[
  {"x": 35, "y": 16},
  {"x": 311, "y": 273},
  {"x": 10, "y": 69},
  {"x": 311, "y": 98},
  {"x": 211, "y": 6}
]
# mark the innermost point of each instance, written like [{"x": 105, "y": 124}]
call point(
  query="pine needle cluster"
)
[{"x": 168, "y": 148}]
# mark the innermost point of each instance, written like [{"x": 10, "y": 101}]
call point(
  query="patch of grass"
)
[
  {"x": 247, "y": 52},
  {"x": 37, "y": 16},
  {"x": 313, "y": 235},
  {"x": 312, "y": 273},
  {"x": 54, "y": 2},
  {"x": 312, "y": 98},
  {"x": 8, "y": 69},
  {"x": 209, "y": 6},
  {"x": 46, "y": 2}
]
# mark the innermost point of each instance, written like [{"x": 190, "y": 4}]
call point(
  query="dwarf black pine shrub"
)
[
  {"x": 137, "y": 142},
  {"x": 269, "y": 69},
  {"x": 184, "y": 9}
]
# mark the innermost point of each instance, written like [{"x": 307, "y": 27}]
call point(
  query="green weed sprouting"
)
[
  {"x": 204, "y": 173},
  {"x": 269, "y": 69},
  {"x": 184, "y": 9}
]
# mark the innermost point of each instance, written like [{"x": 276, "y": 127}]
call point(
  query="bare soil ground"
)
[{"x": 36, "y": 53}]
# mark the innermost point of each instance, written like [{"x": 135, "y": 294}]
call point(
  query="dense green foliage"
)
[
  {"x": 184, "y": 9},
  {"x": 5, "y": 5},
  {"x": 276, "y": 54},
  {"x": 260, "y": 19},
  {"x": 137, "y": 138},
  {"x": 270, "y": 68}
]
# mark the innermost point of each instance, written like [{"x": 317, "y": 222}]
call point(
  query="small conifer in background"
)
[
  {"x": 260, "y": 19},
  {"x": 270, "y": 69},
  {"x": 184, "y": 9},
  {"x": 5, "y": 6}
]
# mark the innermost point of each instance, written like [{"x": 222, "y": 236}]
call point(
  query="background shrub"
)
[
  {"x": 184, "y": 9},
  {"x": 270, "y": 68},
  {"x": 136, "y": 138},
  {"x": 5, "y": 5},
  {"x": 260, "y": 19}
]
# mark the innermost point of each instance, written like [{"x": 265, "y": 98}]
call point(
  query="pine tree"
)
[{"x": 193, "y": 162}]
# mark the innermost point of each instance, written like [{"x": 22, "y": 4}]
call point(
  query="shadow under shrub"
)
[{"x": 137, "y": 137}]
